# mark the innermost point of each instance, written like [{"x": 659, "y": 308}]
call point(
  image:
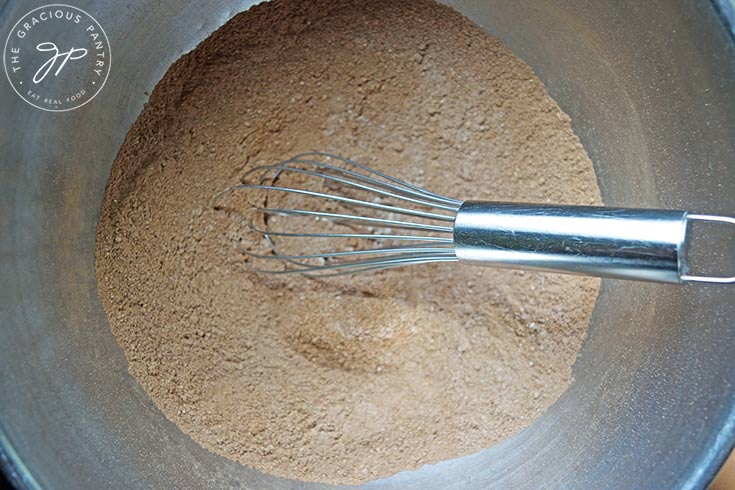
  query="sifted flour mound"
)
[{"x": 347, "y": 379}]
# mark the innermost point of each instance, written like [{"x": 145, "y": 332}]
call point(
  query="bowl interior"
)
[{"x": 649, "y": 86}]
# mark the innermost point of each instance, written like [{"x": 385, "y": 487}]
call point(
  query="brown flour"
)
[{"x": 348, "y": 379}]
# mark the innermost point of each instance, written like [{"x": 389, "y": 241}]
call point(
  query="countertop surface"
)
[{"x": 726, "y": 478}]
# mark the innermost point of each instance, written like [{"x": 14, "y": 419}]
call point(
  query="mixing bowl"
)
[{"x": 650, "y": 87}]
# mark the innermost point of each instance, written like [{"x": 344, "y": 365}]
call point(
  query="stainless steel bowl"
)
[{"x": 651, "y": 89}]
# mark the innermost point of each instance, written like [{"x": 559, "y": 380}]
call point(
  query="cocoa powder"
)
[{"x": 340, "y": 380}]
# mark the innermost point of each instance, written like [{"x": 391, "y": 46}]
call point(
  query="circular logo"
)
[{"x": 57, "y": 57}]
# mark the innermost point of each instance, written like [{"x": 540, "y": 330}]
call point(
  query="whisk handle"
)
[{"x": 638, "y": 244}]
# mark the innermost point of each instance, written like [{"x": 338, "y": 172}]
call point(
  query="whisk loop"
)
[{"x": 315, "y": 197}]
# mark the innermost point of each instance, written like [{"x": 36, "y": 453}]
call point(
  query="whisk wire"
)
[
  {"x": 437, "y": 201},
  {"x": 438, "y": 251},
  {"x": 345, "y": 218},
  {"x": 343, "y": 199},
  {"x": 360, "y": 265},
  {"x": 280, "y": 168},
  {"x": 401, "y": 184},
  {"x": 372, "y": 236}
]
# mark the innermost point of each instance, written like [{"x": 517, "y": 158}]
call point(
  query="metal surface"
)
[
  {"x": 649, "y": 86},
  {"x": 726, "y": 9},
  {"x": 639, "y": 244}
]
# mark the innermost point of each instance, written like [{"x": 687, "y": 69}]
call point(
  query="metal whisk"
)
[{"x": 321, "y": 214}]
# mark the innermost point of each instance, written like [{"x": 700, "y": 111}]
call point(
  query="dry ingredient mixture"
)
[{"x": 347, "y": 379}]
